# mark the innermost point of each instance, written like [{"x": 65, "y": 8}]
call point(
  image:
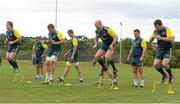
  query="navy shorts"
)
[
  {"x": 135, "y": 61},
  {"x": 14, "y": 48},
  {"x": 161, "y": 54}
]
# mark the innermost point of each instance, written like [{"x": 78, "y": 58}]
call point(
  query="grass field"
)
[{"x": 22, "y": 92}]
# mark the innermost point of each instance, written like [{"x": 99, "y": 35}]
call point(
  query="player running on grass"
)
[
  {"x": 136, "y": 56},
  {"x": 56, "y": 39},
  {"x": 109, "y": 39},
  {"x": 13, "y": 41},
  {"x": 164, "y": 38},
  {"x": 73, "y": 55},
  {"x": 38, "y": 53}
]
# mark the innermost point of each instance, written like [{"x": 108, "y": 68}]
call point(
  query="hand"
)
[
  {"x": 158, "y": 37},
  {"x": 128, "y": 60},
  {"x": 72, "y": 59},
  {"x": 94, "y": 62},
  {"x": 42, "y": 55},
  {"x": 5, "y": 42},
  {"x": 111, "y": 47},
  {"x": 33, "y": 56},
  {"x": 94, "y": 46},
  {"x": 141, "y": 59},
  {"x": 10, "y": 43},
  {"x": 53, "y": 42},
  {"x": 65, "y": 55}
]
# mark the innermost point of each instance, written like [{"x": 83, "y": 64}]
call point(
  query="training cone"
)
[
  {"x": 116, "y": 88},
  {"x": 28, "y": 82}
]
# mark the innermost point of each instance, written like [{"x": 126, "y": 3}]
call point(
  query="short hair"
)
[
  {"x": 70, "y": 31},
  {"x": 137, "y": 30},
  {"x": 10, "y": 23},
  {"x": 157, "y": 22},
  {"x": 50, "y": 26}
]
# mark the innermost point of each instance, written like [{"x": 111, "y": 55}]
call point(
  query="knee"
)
[
  {"x": 10, "y": 58},
  {"x": 141, "y": 72},
  {"x": 108, "y": 59},
  {"x": 134, "y": 71},
  {"x": 47, "y": 62},
  {"x": 97, "y": 57},
  {"x": 7, "y": 58},
  {"x": 156, "y": 66},
  {"x": 76, "y": 66},
  {"x": 165, "y": 65}
]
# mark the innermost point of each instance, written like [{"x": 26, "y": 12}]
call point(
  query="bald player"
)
[{"x": 109, "y": 39}]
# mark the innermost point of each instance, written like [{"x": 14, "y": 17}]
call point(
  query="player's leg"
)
[
  {"x": 166, "y": 65},
  {"x": 8, "y": 59},
  {"x": 135, "y": 76},
  {"x": 12, "y": 56},
  {"x": 158, "y": 66},
  {"x": 101, "y": 77},
  {"x": 141, "y": 75},
  {"x": 47, "y": 70},
  {"x": 78, "y": 71},
  {"x": 47, "y": 78},
  {"x": 98, "y": 57},
  {"x": 41, "y": 68},
  {"x": 12, "y": 60},
  {"x": 52, "y": 70},
  {"x": 66, "y": 71},
  {"x": 41, "y": 71},
  {"x": 115, "y": 71},
  {"x": 48, "y": 59},
  {"x": 77, "y": 66},
  {"x": 37, "y": 72},
  {"x": 108, "y": 57}
]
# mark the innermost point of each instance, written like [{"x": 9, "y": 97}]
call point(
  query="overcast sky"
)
[{"x": 31, "y": 17}]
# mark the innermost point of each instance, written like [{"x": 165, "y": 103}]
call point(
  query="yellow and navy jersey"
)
[
  {"x": 165, "y": 32},
  {"x": 137, "y": 46},
  {"x": 13, "y": 35},
  {"x": 39, "y": 48},
  {"x": 74, "y": 42},
  {"x": 106, "y": 35},
  {"x": 55, "y": 36}
]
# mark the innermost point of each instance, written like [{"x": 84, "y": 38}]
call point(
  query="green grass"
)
[{"x": 21, "y": 92}]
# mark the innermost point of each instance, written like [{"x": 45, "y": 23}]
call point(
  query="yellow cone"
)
[
  {"x": 171, "y": 92},
  {"x": 28, "y": 82},
  {"x": 116, "y": 88}
]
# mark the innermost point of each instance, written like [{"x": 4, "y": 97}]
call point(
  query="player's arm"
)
[
  {"x": 75, "y": 44},
  {"x": 144, "y": 46},
  {"x": 18, "y": 37},
  {"x": 45, "y": 49},
  {"x": 66, "y": 53},
  {"x": 6, "y": 41},
  {"x": 114, "y": 36},
  {"x": 168, "y": 38},
  {"x": 96, "y": 41},
  {"x": 152, "y": 38},
  {"x": 33, "y": 51},
  {"x": 129, "y": 55},
  {"x": 61, "y": 39}
]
